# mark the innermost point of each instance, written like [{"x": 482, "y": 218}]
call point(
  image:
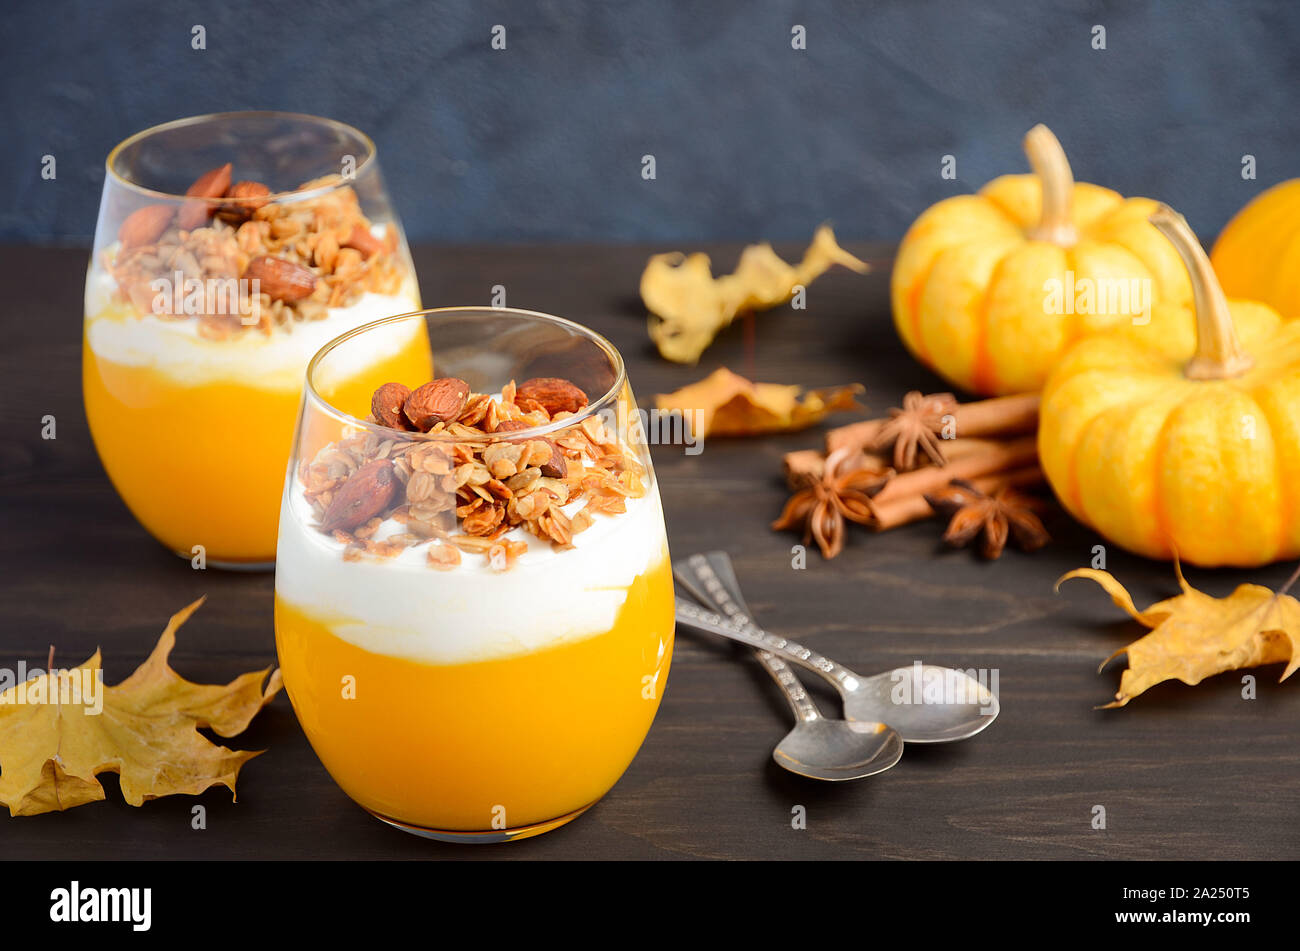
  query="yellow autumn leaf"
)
[
  {"x": 727, "y": 404},
  {"x": 689, "y": 306},
  {"x": 59, "y": 730},
  {"x": 1194, "y": 635}
]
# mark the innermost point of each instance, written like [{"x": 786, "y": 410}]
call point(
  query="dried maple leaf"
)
[
  {"x": 688, "y": 305},
  {"x": 726, "y": 404},
  {"x": 1194, "y": 635},
  {"x": 146, "y": 731}
]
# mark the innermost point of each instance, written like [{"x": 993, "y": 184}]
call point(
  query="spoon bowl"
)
[
  {"x": 837, "y": 750},
  {"x": 825, "y": 748},
  {"x": 923, "y": 703}
]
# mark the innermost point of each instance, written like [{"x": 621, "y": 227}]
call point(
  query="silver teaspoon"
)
[
  {"x": 820, "y": 747},
  {"x": 923, "y": 703},
  {"x": 824, "y": 748}
]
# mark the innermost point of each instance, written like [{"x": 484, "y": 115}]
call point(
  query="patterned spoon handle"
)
[
  {"x": 841, "y": 678},
  {"x": 697, "y": 583}
]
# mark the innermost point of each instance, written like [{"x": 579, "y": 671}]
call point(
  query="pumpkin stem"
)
[
  {"x": 1219, "y": 354},
  {"x": 1047, "y": 159}
]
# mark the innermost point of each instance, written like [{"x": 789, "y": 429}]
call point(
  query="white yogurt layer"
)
[
  {"x": 118, "y": 333},
  {"x": 404, "y": 607}
]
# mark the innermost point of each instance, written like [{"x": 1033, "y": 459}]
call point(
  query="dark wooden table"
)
[{"x": 1182, "y": 772}]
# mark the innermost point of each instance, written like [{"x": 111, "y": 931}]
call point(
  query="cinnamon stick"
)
[
  {"x": 1000, "y": 416},
  {"x": 994, "y": 457},
  {"x": 903, "y": 509},
  {"x": 803, "y": 466},
  {"x": 955, "y": 449},
  {"x": 862, "y": 433}
]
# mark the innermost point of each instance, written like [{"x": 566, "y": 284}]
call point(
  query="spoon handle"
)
[
  {"x": 694, "y": 579},
  {"x": 800, "y": 702},
  {"x": 710, "y": 577},
  {"x": 697, "y": 618},
  {"x": 717, "y": 576}
]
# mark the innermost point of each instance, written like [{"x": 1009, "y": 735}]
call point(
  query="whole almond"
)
[
  {"x": 554, "y": 394},
  {"x": 438, "y": 402},
  {"x": 387, "y": 403},
  {"x": 365, "y": 494},
  {"x": 362, "y": 240},
  {"x": 144, "y": 225},
  {"x": 211, "y": 184},
  {"x": 556, "y": 468},
  {"x": 245, "y": 198},
  {"x": 283, "y": 280},
  {"x": 511, "y": 426}
]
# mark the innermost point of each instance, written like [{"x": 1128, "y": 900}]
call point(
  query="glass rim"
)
[
  {"x": 592, "y": 408},
  {"x": 297, "y": 195}
]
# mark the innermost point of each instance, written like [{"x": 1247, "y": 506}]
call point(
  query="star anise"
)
[
  {"x": 915, "y": 427},
  {"x": 822, "y": 506},
  {"x": 992, "y": 518}
]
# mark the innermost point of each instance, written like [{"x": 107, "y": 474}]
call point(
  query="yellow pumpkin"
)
[
  {"x": 990, "y": 289},
  {"x": 1258, "y": 253},
  {"x": 1167, "y": 455}
]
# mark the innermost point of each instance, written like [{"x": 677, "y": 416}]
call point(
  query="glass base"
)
[
  {"x": 232, "y": 565},
  {"x": 243, "y": 565},
  {"x": 489, "y": 837}
]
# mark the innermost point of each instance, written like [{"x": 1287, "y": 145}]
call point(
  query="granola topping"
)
[
  {"x": 176, "y": 349},
  {"x": 309, "y": 256},
  {"x": 379, "y": 495}
]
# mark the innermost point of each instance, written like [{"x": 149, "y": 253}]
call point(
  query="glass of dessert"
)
[
  {"x": 229, "y": 249},
  {"x": 473, "y": 598}
]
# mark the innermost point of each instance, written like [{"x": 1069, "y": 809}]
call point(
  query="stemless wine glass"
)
[
  {"x": 474, "y": 622},
  {"x": 229, "y": 249}
]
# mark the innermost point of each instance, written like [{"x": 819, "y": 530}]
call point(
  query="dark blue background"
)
[{"x": 543, "y": 141}]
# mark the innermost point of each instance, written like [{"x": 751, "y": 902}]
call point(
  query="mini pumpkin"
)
[
  {"x": 1258, "y": 253},
  {"x": 1166, "y": 455},
  {"x": 990, "y": 289}
]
